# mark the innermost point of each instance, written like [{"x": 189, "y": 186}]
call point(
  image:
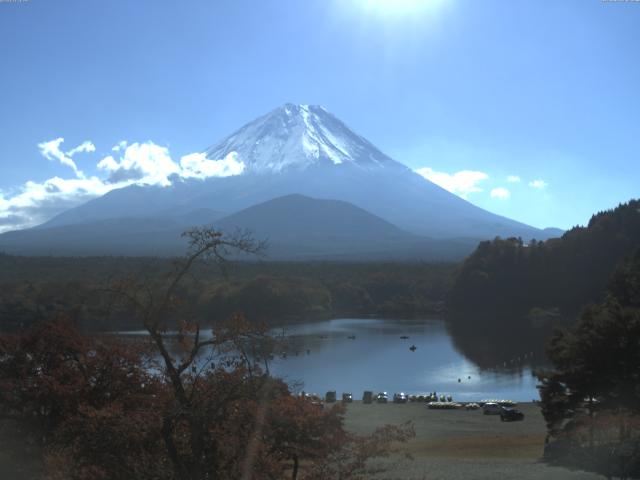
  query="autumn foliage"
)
[
  {"x": 100, "y": 411},
  {"x": 182, "y": 403}
]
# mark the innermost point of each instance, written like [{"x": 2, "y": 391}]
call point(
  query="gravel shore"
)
[{"x": 460, "y": 444}]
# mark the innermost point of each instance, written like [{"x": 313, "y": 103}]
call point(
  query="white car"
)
[
  {"x": 400, "y": 397},
  {"x": 491, "y": 409}
]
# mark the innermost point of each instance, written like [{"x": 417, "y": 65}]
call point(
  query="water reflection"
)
[
  {"x": 499, "y": 341},
  {"x": 376, "y": 358},
  {"x": 357, "y": 354}
]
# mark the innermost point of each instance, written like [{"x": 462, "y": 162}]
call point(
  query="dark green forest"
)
[
  {"x": 508, "y": 296},
  {"x": 36, "y": 288},
  {"x": 590, "y": 397}
]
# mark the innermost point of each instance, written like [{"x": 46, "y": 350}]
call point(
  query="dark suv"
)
[{"x": 508, "y": 414}]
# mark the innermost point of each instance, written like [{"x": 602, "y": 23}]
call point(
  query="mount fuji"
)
[{"x": 304, "y": 154}]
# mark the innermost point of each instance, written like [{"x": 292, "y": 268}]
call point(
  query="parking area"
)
[{"x": 462, "y": 443}]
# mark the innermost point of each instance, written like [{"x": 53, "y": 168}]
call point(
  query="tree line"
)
[
  {"x": 100, "y": 408},
  {"x": 591, "y": 394},
  {"x": 33, "y": 289},
  {"x": 508, "y": 296},
  {"x": 564, "y": 273}
]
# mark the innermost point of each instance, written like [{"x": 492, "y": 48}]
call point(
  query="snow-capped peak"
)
[{"x": 298, "y": 137}]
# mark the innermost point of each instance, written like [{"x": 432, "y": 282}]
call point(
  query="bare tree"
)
[{"x": 157, "y": 305}]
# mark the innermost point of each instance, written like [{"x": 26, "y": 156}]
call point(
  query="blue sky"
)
[{"x": 469, "y": 93}]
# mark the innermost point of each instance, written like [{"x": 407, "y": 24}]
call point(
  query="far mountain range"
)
[{"x": 311, "y": 187}]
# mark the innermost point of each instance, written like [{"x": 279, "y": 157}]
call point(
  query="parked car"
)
[
  {"x": 330, "y": 397},
  {"x": 367, "y": 397},
  {"x": 399, "y": 397},
  {"x": 347, "y": 398},
  {"x": 382, "y": 397},
  {"x": 508, "y": 414},
  {"x": 491, "y": 409},
  {"x": 314, "y": 399}
]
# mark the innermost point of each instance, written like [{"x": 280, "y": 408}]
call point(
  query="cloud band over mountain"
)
[{"x": 137, "y": 164}]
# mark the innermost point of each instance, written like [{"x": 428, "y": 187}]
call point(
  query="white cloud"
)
[
  {"x": 120, "y": 146},
  {"x": 85, "y": 146},
  {"x": 500, "y": 192},
  {"x": 108, "y": 163},
  {"x": 150, "y": 164},
  {"x": 144, "y": 163},
  {"x": 138, "y": 164},
  {"x": 51, "y": 151},
  {"x": 37, "y": 202},
  {"x": 513, "y": 179},
  {"x": 461, "y": 183},
  {"x": 197, "y": 165},
  {"x": 539, "y": 184}
]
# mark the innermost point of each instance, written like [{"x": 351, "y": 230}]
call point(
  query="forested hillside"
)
[
  {"x": 590, "y": 397},
  {"x": 565, "y": 273},
  {"x": 508, "y": 291}
]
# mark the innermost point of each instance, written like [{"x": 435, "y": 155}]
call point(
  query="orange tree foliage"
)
[
  {"x": 89, "y": 401},
  {"x": 101, "y": 413},
  {"x": 191, "y": 408}
]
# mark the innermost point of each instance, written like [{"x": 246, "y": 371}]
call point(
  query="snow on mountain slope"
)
[
  {"x": 297, "y": 137},
  {"x": 302, "y": 149}
]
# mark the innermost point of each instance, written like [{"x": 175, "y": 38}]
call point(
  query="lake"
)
[
  {"x": 379, "y": 360},
  {"x": 321, "y": 356}
]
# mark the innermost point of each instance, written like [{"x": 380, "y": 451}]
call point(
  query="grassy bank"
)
[{"x": 460, "y": 444}]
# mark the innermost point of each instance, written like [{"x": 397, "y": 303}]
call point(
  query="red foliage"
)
[{"x": 103, "y": 415}]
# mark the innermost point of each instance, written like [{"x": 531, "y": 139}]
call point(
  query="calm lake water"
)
[
  {"x": 320, "y": 357},
  {"x": 379, "y": 360}
]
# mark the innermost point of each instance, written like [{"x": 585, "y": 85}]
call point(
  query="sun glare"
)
[{"x": 399, "y": 7}]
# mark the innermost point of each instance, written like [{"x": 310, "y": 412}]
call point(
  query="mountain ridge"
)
[
  {"x": 296, "y": 227},
  {"x": 301, "y": 149}
]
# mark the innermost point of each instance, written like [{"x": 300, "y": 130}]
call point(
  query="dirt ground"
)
[
  {"x": 449, "y": 444},
  {"x": 460, "y": 444}
]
